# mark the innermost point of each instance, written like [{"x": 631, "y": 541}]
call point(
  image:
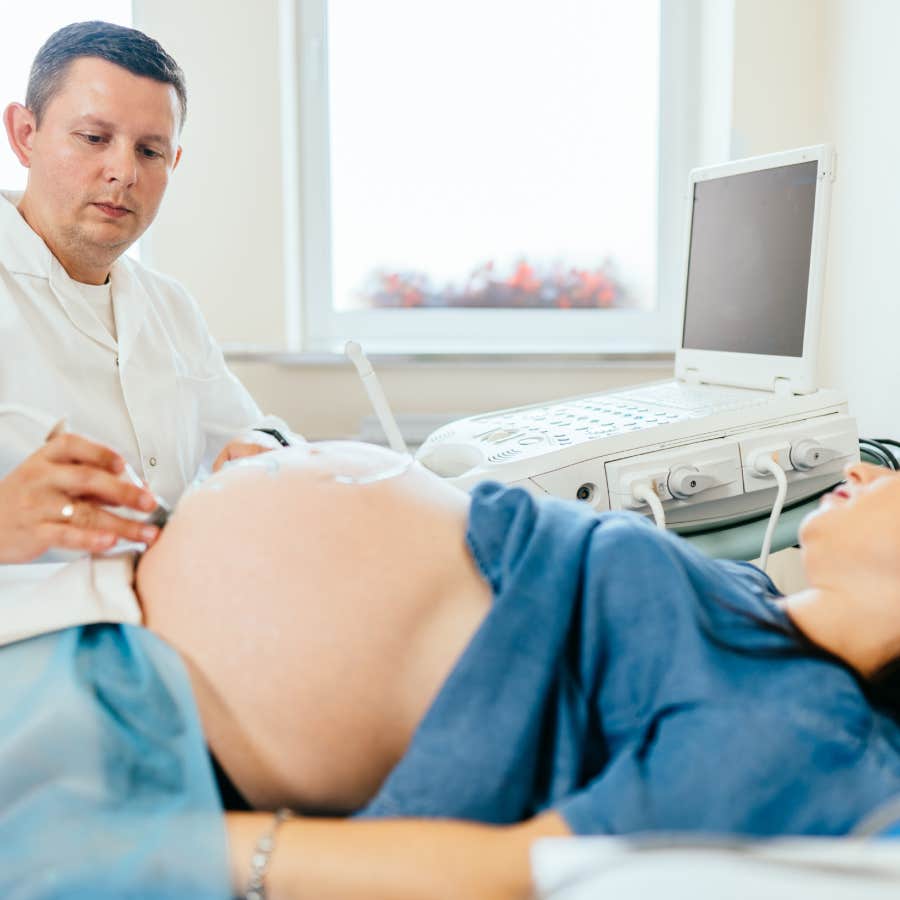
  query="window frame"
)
[{"x": 313, "y": 325}]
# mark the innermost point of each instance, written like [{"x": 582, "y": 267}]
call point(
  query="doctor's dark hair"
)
[{"x": 126, "y": 47}]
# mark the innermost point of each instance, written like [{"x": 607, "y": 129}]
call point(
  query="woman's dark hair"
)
[
  {"x": 126, "y": 47},
  {"x": 882, "y": 688}
]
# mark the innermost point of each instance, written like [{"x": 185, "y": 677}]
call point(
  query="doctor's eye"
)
[
  {"x": 91, "y": 138},
  {"x": 150, "y": 153}
]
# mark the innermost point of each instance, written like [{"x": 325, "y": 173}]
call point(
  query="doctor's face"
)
[
  {"x": 99, "y": 163},
  {"x": 852, "y": 539}
]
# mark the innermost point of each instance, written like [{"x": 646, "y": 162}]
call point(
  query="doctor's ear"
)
[
  {"x": 177, "y": 159},
  {"x": 20, "y": 129}
]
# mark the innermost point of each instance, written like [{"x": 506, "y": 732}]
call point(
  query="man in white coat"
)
[{"x": 119, "y": 352}]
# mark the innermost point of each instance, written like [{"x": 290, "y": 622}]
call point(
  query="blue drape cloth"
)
[{"x": 106, "y": 788}]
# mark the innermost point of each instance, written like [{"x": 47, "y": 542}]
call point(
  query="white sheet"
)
[{"x": 789, "y": 869}]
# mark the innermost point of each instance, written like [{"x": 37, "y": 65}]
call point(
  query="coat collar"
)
[
  {"x": 21, "y": 249},
  {"x": 23, "y": 252},
  {"x": 131, "y": 302}
]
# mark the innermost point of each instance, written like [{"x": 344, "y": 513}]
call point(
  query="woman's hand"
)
[{"x": 55, "y": 499}]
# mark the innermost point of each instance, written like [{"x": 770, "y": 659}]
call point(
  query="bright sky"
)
[{"x": 493, "y": 129}]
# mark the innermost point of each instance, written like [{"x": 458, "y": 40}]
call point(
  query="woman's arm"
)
[{"x": 418, "y": 859}]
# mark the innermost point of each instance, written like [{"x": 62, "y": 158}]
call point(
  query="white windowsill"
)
[{"x": 242, "y": 353}]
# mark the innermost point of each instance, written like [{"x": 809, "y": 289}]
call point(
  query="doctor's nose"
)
[{"x": 121, "y": 165}]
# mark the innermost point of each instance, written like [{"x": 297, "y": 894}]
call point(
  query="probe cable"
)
[
  {"x": 766, "y": 464},
  {"x": 644, "y": 492}
]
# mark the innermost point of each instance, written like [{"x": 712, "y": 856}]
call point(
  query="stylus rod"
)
[{"x": 379, "y": 402}]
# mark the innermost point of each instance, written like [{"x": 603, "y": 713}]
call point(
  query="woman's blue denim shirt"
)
[{"x": 630, "y": 683}]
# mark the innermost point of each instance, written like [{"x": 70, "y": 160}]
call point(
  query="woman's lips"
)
[
  {"x": 114, "y": 212},
  {"x": 839, "y": 494}
]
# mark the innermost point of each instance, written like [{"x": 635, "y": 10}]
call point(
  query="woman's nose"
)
[{"x": 864, "y": 473}]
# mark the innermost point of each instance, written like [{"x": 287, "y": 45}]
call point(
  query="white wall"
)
[
  {"x": 861, "y": 351},
  {"x": 813, "y": 70},
  {"x": 778, "y": 80},
  {"x": 219, "y": 228},
  {"x": 328, "y": 400}
]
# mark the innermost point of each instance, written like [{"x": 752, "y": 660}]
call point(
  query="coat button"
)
[
  {"x": 152, "y": 460},
  {"x": 117, "y": 360}
]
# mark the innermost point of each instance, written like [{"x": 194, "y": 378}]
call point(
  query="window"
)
[
  {"x": 491, "y": 175},
  {"x": 34, "y": 23}
]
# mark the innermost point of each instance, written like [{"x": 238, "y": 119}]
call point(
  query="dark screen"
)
[{"x": 748, "y": 270}]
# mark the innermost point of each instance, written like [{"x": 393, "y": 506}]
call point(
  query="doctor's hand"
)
[
  {"x": 237, "y": 450},
  {"x": 54, "y": 498}
]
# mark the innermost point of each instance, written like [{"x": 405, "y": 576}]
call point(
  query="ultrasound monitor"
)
[{"x": 749, "y": 261}]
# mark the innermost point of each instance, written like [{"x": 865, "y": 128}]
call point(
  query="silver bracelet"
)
[{"x": 262, "y": 854}]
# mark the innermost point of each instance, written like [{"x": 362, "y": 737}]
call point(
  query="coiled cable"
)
[{"x": 880, "y": 450}]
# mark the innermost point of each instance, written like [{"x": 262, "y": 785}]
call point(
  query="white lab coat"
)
[{"x": 161, "y": 395}]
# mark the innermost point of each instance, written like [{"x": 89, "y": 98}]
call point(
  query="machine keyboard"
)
[
  {"x": 570, "y": 423},
  {"x": 524, "y": 432},
  {"x": 708, "y": 400}
]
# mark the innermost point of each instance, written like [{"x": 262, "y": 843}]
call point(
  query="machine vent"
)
[
  {"x": 504, "y": 455},
  {"x": 442, "y": 435}
]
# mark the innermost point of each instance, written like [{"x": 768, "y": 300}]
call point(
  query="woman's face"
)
[{"x": 853, "y": 537}]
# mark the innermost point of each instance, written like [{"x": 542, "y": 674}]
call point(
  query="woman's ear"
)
[{"x": 20, "y": 127}]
